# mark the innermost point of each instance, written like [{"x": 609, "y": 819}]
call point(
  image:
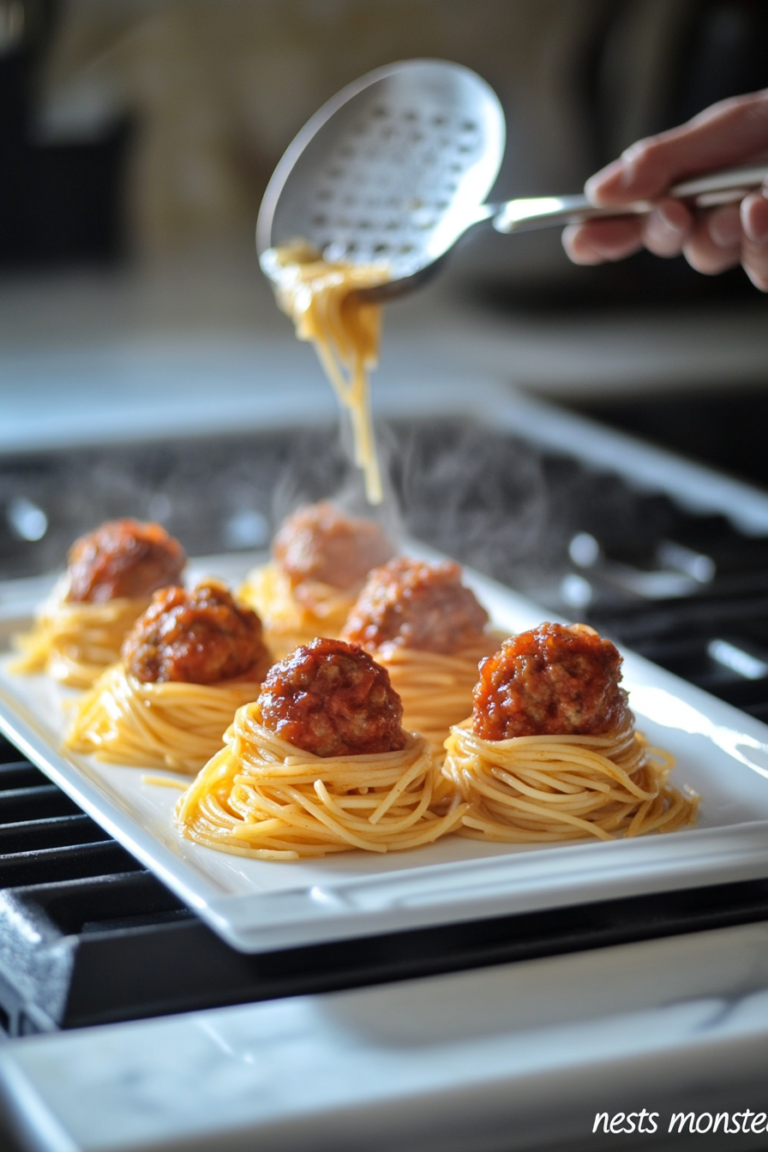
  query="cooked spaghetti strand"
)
[
  {"x": 435, "y": 688},
  {"x": 549, "y": 788},
  {"x": 288, "y": 619},
  {"x": 169, "y": 725},
  {"x": 261, "y": 796},
  {"x": 322, "y": 298},
  {"x": 76, "y": 642}
]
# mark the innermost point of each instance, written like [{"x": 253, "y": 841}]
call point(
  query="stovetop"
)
[
  {"x": 88, "y": 937},
  {"x": 686, "y": 588}
]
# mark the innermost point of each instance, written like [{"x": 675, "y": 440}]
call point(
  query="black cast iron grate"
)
[{"x": 87, "y": 936}]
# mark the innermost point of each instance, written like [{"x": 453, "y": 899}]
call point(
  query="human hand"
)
[{"x": 731, "y": 133}]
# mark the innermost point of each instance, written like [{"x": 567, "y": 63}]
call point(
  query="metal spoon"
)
[{"x": 396, "y": 167}]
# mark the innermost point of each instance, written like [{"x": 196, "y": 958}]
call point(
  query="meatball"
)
[
  {"x": 202, "y": 636},
  {"x": 123, "y": 558},
  {"x": 321, "y": 543},
  {"x": 331, "y": 699},
  {"x": 551, "y": 681},
  {"x": 413, "y": 604}
]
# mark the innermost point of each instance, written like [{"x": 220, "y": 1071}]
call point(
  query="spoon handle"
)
[{"x": 724, "y": 187}]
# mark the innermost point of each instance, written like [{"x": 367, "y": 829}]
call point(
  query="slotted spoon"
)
[{"x": 397, "y": 166}]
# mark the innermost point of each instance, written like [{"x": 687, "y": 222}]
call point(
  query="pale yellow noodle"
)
[
  {"x": 435, "y": 688},
  {"x": 321, "y": 297},
  {"x": 550, "y": 788},
  {"x": 163, "y": 782},
  {"x": 174, "y": 725},
  {"x": 74, "y": 642},
  {"x": 264, "y": 798},
  {"x": 291, "y": 619}
]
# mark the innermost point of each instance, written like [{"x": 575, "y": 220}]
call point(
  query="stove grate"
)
[{"x": 88, "y": 937}]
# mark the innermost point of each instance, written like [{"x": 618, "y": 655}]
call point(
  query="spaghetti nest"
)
[
  {"x": 290, "y": 616},
  {"x": 75, "y": 642},
  {"x": 435, "y": 687},
  {"x": 550, "y": 788},
  {"x": 264, "y": 798},
  {"x": 172, "y": 725}
]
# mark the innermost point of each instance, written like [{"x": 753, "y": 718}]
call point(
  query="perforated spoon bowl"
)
[{"x": 396, "y": 167}]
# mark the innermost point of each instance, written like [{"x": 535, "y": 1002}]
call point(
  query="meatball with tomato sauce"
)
[
  {"x": 331, "y": 699},
  {"x": 321, "y": 543},
  {"x": 413, "y": 604},
  {"x": 123, "y": 559},
  {"x": 551, "y": 681},
  {"x": 197, "y": 636}
]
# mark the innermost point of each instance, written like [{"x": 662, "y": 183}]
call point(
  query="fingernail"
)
[
  {"x": 612, "y": 173},
  {"x": 725, "y": 228},
  {"x": 757, "y": 235},
  {"x": 629, "y": 158},
  {"x": 661, "y": 230},
  {"x": 755, "y": 222}
]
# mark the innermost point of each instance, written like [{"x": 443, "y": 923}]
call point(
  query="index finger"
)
[{"x": 734, "y": 131}]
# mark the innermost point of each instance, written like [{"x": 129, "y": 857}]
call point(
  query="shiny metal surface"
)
[
  {"x": 396, "y": 168},
  {"x": 725, "y": 187}
]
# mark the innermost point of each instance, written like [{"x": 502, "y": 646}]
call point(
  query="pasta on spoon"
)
[
  {"x": 323, "y": 301},
  {"x": 551, "y": 752},
  {"x": 318, "y": 764}
]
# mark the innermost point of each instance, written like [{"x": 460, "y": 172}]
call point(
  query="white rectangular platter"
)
[{"x": 261, "y": 905}]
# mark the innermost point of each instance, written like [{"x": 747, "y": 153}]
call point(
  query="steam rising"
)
[
  {"x": 490, "y": 500},
  {"x": 319, "y": 472},
  {"x": 481, "y": 499}
]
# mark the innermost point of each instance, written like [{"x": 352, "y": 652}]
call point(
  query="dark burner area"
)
[
  {"x": 688, "y": 591},
  {"x": 87, "y": 936},
  {"x": 725, "y": 428}
]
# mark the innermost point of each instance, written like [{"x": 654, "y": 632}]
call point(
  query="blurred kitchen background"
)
[
  {"x": 145, "y": 370},
  {"x": 137, "y": 137}
]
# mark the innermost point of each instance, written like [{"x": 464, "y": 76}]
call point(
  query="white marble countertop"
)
[{"x": 518, "y": 1056}]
